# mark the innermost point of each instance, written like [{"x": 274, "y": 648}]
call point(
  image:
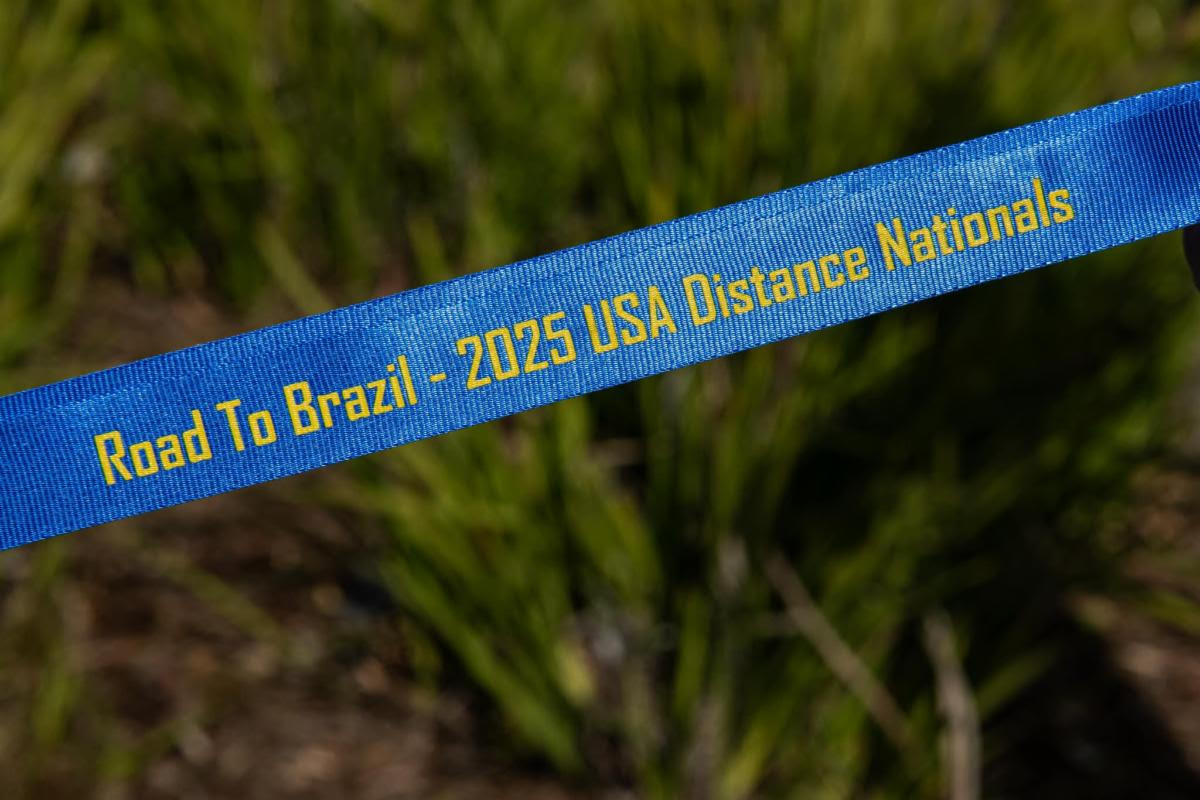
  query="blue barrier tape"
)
[{"x": 326, "y": 388}]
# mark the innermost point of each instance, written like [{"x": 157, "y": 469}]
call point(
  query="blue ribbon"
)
[{"x": 327, "y": 388}]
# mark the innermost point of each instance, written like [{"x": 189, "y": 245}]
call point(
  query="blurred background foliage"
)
[{"x": 730, "y": 581}]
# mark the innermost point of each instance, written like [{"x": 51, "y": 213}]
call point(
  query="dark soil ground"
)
[{"x": 282, "y": 680}]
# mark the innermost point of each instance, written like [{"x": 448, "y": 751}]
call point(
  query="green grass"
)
[{"x": 596, "y": 569}]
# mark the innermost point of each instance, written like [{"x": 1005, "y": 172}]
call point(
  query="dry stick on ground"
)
[
  {"x": 961, "y": 742},
  {"x": 841, "y": 660}
]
